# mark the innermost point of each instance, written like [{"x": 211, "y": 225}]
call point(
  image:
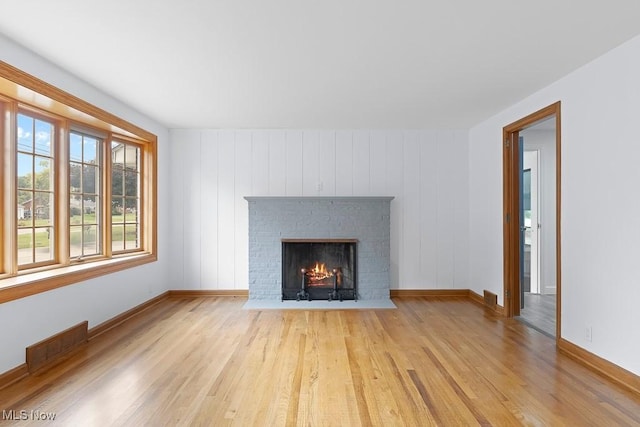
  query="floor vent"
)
[
  {"x": 48, "y": 350},
  {"x": 490, "y": 299}
]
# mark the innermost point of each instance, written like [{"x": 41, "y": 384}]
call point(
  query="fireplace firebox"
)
[{"x": 322, "y": 269}]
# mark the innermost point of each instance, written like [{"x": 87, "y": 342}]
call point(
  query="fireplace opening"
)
[{"x": 319, "y": 269}]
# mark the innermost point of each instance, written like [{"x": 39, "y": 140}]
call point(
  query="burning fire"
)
[{"x": 318, "y": 273}]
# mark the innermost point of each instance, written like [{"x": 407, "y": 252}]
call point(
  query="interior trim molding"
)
[
  {"x": 609, "y": 370},
  {"x": 476, "y": 297},
  {"x": 122, "y": 317},
  {"x": 429, "y": 293},
  {"x": 35, "y": 283},
  {"x": 511, "y": 209},
  {"x": 209, "y": 293},
  {"x": 26, "y": 80},
  {"x": 447, "y": 293},
  {"x": 13, "y": 375}
]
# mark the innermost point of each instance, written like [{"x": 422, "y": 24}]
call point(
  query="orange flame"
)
[{"x": 318, "y": 273}]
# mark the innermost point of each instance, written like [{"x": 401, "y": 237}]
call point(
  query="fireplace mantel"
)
[{"x": 274, "y": 219}]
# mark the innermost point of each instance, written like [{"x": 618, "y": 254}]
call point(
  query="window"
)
[
  {"x": 85, "y": 178},
  {"x": 78, "y": 196},
  {"x": 36, "y": 192},
  {"x": 125, "y": 197}
]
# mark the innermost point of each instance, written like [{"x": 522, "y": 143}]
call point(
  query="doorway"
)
[
  {"x": 531, "y": 217},
  {"x": 531, "y": 233}
]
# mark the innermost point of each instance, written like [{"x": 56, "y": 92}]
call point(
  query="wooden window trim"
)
[
  {"x": 54, "y": 189},
  {"x": 31, "y": 282},
  {"x": 102, "y": 141}
]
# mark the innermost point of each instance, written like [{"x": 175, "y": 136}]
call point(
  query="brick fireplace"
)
[{"x": 362, "y": 220}]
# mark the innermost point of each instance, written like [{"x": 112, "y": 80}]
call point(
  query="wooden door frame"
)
[{"x": 511, "y": 210}]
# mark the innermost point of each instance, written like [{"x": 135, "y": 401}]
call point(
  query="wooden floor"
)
[
  {"x": 540, "y": 312},
  {"x": 206, "y": 361}
]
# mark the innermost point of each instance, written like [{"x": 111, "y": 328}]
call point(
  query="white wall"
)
[
  {"x": 29, "y": 320},
  {"x": 426, "y": 171},
  {"x": 599, "y": 178}
]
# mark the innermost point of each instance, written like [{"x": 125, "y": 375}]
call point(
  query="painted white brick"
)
[{"x": 364, "y": 218}]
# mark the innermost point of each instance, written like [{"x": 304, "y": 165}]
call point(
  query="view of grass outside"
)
[{"x": 42, "y": 236}]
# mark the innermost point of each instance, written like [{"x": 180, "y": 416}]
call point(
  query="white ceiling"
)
[{"x": 320, "y": 63}]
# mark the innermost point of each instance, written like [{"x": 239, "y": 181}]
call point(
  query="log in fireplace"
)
[{"x": 319, "y": 269}]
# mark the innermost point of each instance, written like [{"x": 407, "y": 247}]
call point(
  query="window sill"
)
[{"x": 25, "y": 285}]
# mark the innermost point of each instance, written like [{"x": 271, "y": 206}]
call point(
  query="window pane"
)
[
  {"x": 131, "y": 183},
  {"x": 131, "y": 236},
  {"x": 25, "y": 171},
  {"x": 75, "y": 241},
  {"x": 90, "y": 179},
  {"x": 117, "y": 182},
  {"x": 43, "y": 138},
  {"x": 117, "y": 238},
  {"x": 35, "y": 197},
  {"x": 25, "y": 133},
  {"x": 90, "y": 240},
  {"x": 43, "y": 173},
  {"x": 25, "y": 203},
  {"x": 25, "y": 246},
  {"x": 125, "y": 182},
  {"x": 43, "y": 209},
  {"x": 117, "y": 210},
  {"x": 89, "y": 210},
  {"x": 131, "y": 213},
  {"x": 90, "y": 154},
  {"x": 75, "y": 147},
  {"x": 75, "y": 177},
  {"x": 75, "y": 210},
  {"x": 44, "y": 244},
  {"x": 117, "y": 154},
  {"x": 84, "y": 203}
]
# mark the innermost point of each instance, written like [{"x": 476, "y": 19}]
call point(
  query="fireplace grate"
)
[{"x": 319, "y": 269}]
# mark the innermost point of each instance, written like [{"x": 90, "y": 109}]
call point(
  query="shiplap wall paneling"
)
[
  {"x": 411, "y": 253},
  {"x": 395, "y": 181},
  {"x": 423, "y": 170},
  {"x": 378, "y": 164},
  {"x": 176, "y": 209},
  {"x": 242, "y": 182},
  {"x": 446, "y": 204},
  {"x": 192, "y": 256},
  {"x": 277, "y": 163},
  {"x": 259, "y": 163},
  {"x": 226, "y": 209},
  {"x": 428, "y": 218},
  {"x": 293, "y": 153},
  {"x": 344, "y": 163},
  {"x": 460, "y": 180},
  {"x": 361, "y": 164},
  {"x": 209, "y": 159},
  {"x": 310, "y": 164},
  {"x": 327, "y": 163}
]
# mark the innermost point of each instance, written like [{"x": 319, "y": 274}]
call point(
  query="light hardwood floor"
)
[
  {"x": 436, "y": 361},
  {"x": 540, "y": 312}
]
